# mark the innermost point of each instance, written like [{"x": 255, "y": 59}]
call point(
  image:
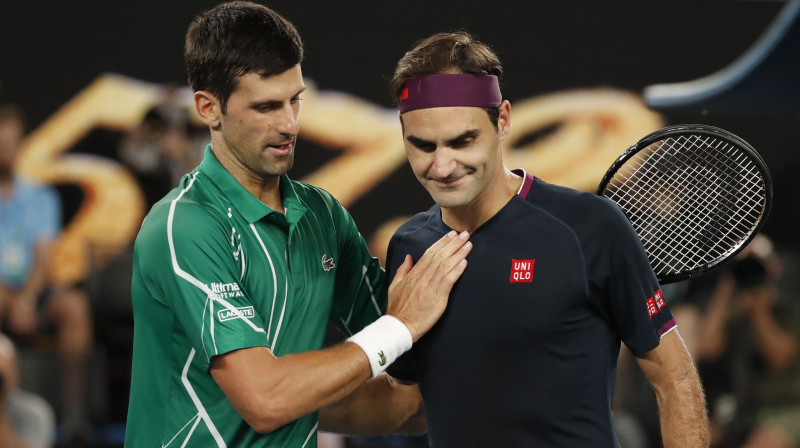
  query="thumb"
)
[{"x": 404, "y": 268}]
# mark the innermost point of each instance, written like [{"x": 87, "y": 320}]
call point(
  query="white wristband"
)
[{"x": 383, "y": 341}]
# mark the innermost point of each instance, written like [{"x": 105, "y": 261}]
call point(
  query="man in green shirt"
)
[{"x": 238, "y": 270}]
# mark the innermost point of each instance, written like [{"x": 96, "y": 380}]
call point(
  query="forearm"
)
[
  {"x": 682, "y": 410},
  {"x": 379, "y": 406},
  {"x": 681, "y": 402},
  {"x": 269, "y": 392}
]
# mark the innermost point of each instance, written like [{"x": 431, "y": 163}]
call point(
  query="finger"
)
[
  {"x": 436, "y": 256},
  {"x": 448, "y": 257},
  {"x": 404, "y": 269},
  {"x": 427, "y": 257},
  {"x": 447, "y": 282},
  {"x": 450, "y": 263}
]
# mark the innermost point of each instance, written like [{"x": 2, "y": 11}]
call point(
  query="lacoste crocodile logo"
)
[
  {"x": 327, "y": 263},
  {"x": 382, "y": 361}
]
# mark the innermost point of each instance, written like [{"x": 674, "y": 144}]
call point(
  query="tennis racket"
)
[{"x": 695, "y": 194}]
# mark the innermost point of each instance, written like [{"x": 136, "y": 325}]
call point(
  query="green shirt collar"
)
[{"x": 251, "y": 208}]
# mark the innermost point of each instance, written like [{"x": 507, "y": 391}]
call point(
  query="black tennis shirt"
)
[{"x": 525, "y": 354}]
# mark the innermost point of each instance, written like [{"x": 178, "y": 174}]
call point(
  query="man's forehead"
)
[
  {"x": 444, "y": 122},
  {"x": 288, "y": 82}
]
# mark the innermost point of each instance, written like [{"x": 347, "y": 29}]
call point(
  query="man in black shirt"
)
[{"x": 525, "y": 354}]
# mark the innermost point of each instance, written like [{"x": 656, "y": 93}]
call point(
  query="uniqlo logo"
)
[
  {"x": 522, "y": 271},
  {"x": 660, "y": 300},
  {"x": 651, "y": 307}
]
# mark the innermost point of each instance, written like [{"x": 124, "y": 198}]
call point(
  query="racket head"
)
[{"x": 695, "y": 194}]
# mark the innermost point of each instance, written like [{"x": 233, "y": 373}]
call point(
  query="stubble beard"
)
[
  {"x": 453, "y": 199},
  {"x": 264, "y": 164},
  {"x": 274, "y": 166}
]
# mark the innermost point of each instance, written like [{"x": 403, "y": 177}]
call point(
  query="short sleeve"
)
[
  {"x": 359, "y": 293},
  {"x": 633, "y": 297},
  {"x": 188, "y": 265}
]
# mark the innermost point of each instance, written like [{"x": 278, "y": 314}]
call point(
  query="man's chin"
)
[
  {"x": 449, "y": 200},
  {"x": 280, "y": 166}
]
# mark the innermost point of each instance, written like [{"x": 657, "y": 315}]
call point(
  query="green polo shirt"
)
[{"x": 217, "y": 270}]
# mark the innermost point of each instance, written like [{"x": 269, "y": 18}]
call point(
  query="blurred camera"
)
[{"x": 749, "y": 273}]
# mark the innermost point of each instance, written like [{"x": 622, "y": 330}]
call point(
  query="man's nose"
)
[
  {"x": 287, "y": 121},
  {"x": 443, "y": 163}
]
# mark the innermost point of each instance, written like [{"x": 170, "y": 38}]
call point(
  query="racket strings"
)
[
  {"x": 692, "y": 210},
  {"x": 691, "y": 199},
  {"x": 663, "y": 234}
]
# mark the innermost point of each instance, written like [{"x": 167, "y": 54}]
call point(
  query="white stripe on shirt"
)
[
  {"x": 200, "y": 408},
  {"x": 274, "y": 278}
]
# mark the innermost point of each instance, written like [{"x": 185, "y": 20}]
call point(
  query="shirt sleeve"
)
[
  {"x": 633, "y": 297},
  {"x": 359, "y": 292},
  {"x": 199, "y": 280}
]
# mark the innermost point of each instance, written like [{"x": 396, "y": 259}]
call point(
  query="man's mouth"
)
[
  {"x": 281, "y": 149},
  {"x": 449, "y": 182}
]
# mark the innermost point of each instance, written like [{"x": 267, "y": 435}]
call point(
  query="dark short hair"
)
[
  {"x": 449, "y": 52},
  {"x": 236, "y": 38}
]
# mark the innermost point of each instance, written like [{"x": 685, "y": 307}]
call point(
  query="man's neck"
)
[
  {"x": 266, "y": 190},
  {"x": 493, "y": 198}
]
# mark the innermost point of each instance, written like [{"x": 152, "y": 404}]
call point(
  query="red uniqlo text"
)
[
  {"x": 660, "y": 300},
  {"x": 651, "y": 307},
  {"x": 522, "y": 271}
]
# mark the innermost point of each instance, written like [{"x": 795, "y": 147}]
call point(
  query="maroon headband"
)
[{"x": 446, "y": 90}]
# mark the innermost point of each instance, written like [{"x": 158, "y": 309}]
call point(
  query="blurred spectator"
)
[
  {"x": 164, "y": 146},
  {"x": 752, "y": 330},
  {"x": 26, "y": 419},
  {"x": 30, "y": 220}
]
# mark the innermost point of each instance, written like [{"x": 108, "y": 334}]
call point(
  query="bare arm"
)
[
  {"x": 382, "y": 405},
  {"x": 681, "y": 403},
  {"x": 269, "y": 392}
]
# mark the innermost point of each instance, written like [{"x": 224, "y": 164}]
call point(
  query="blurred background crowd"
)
[{"x": 96, "y": 125}]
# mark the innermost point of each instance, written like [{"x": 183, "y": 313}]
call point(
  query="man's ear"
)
[
  {"x": 504, "y": 120},
  {"x": 208, "y": 108}
]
